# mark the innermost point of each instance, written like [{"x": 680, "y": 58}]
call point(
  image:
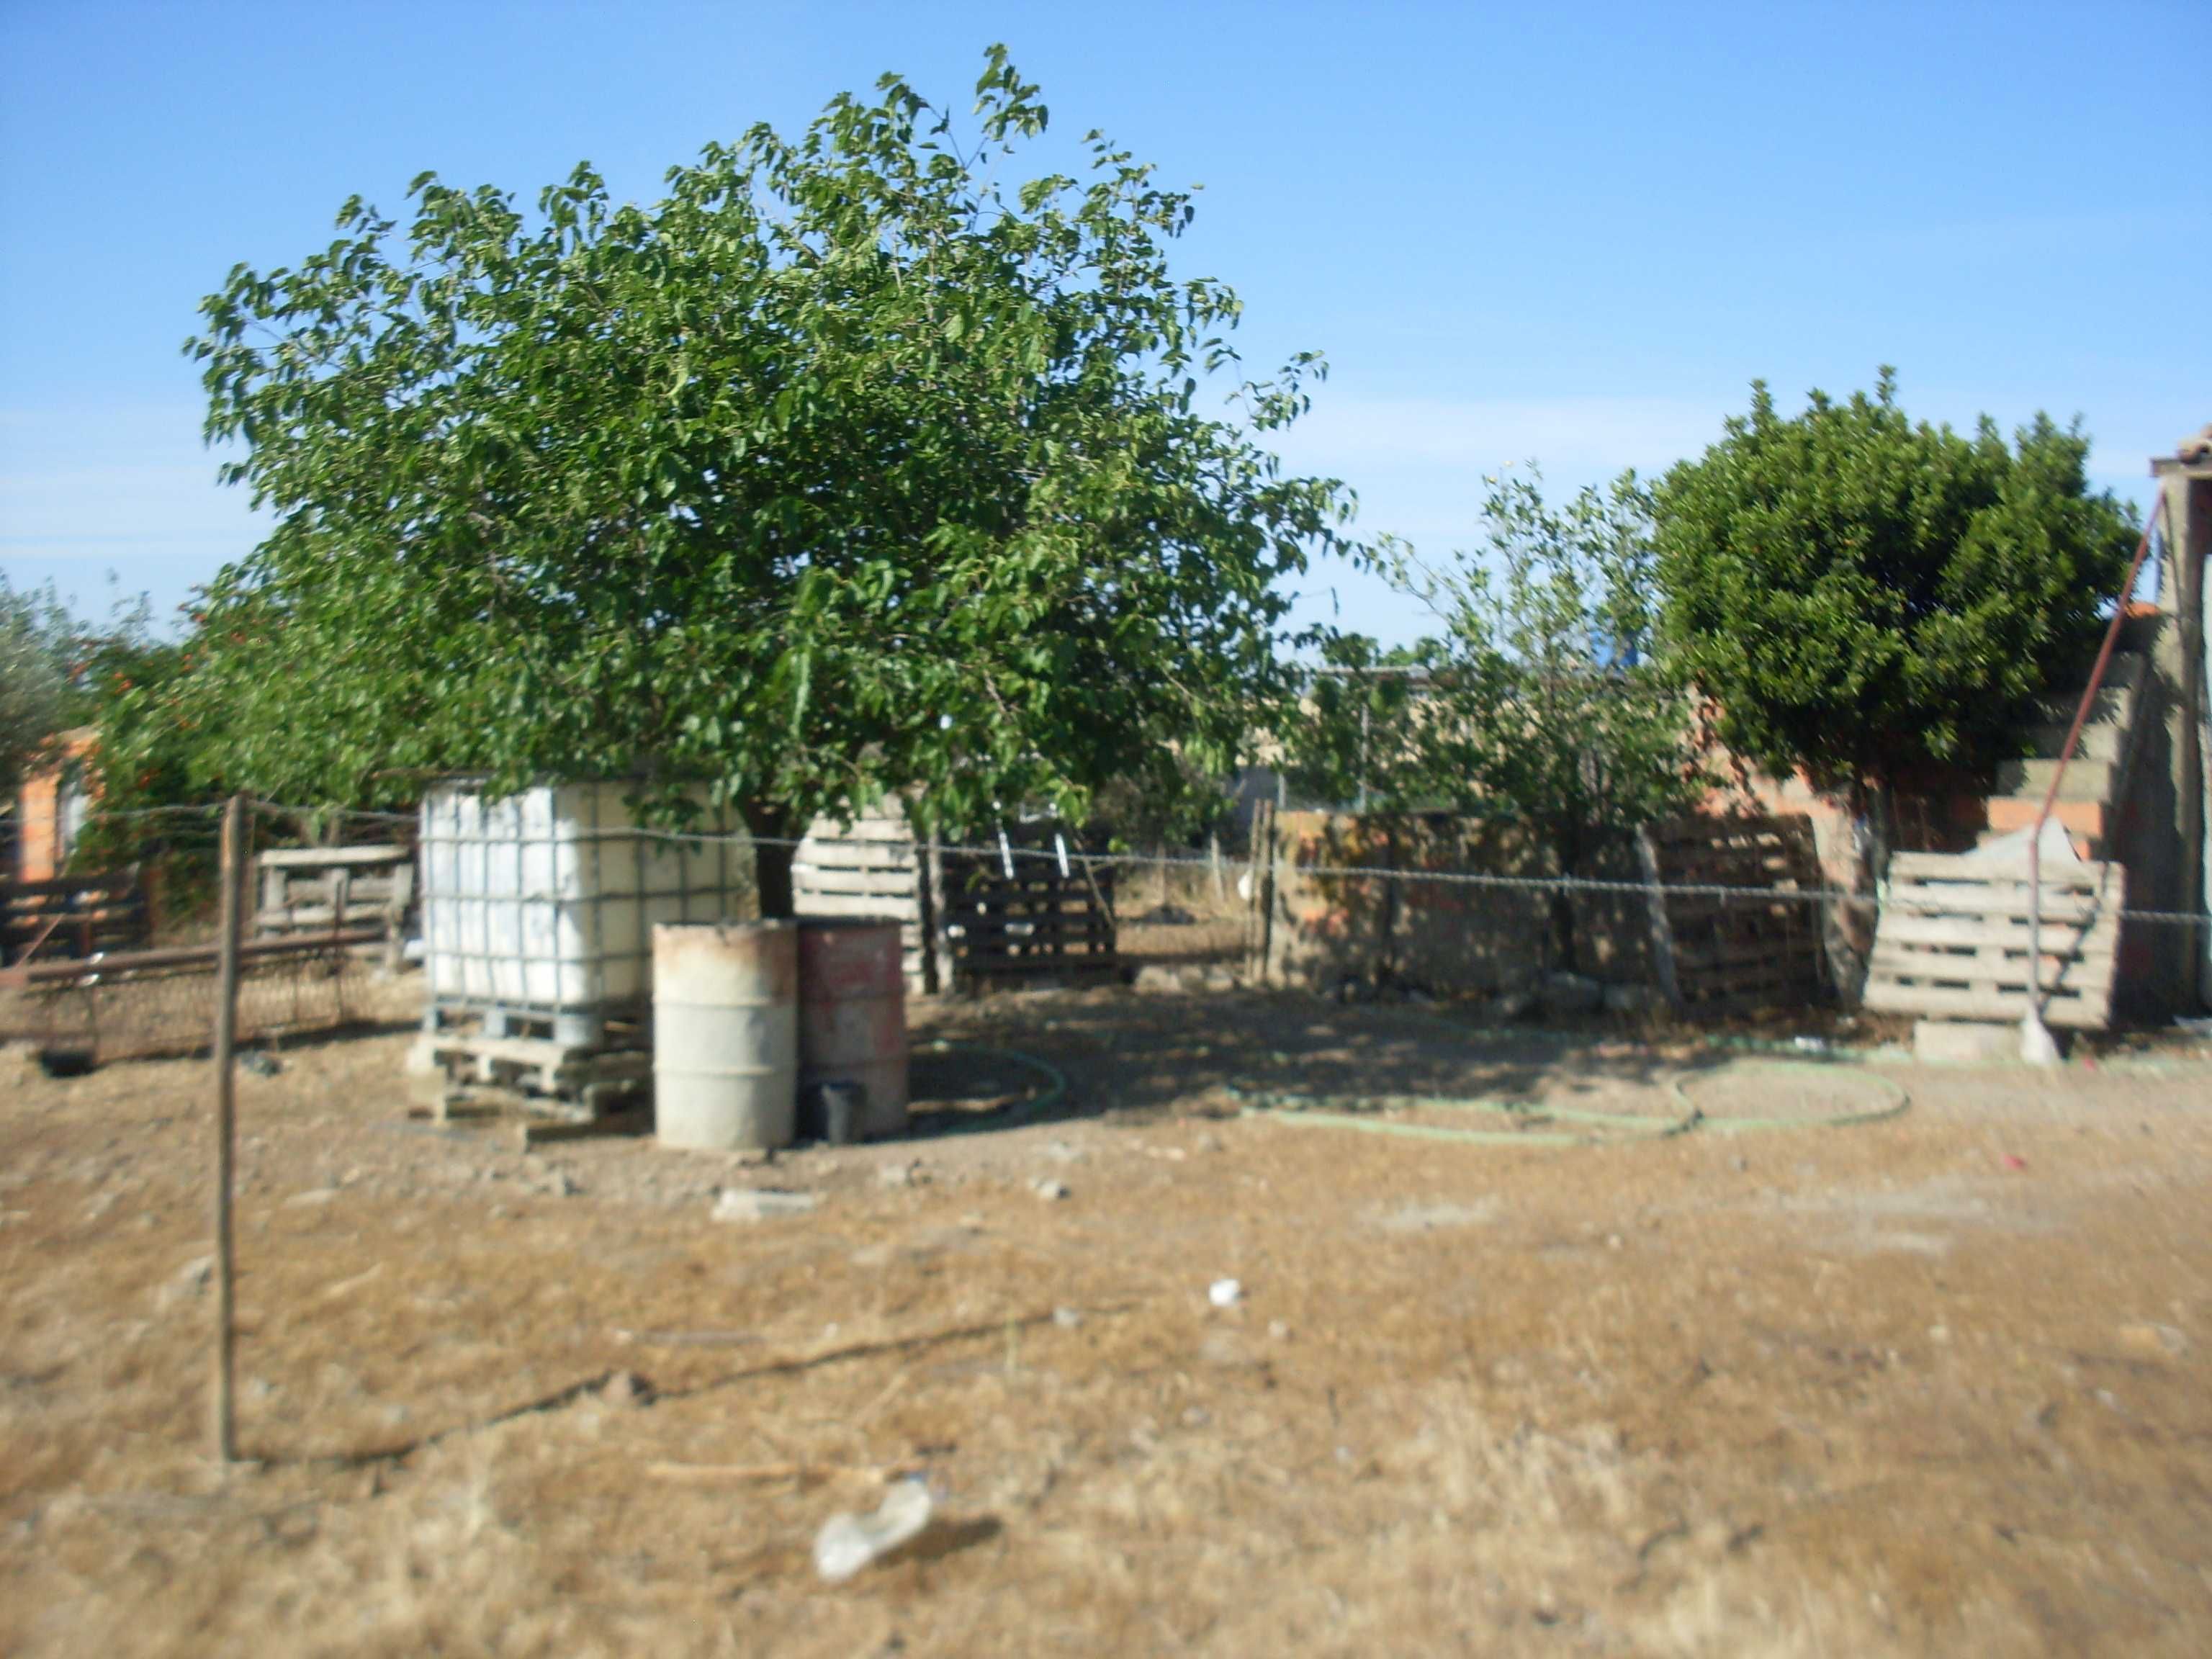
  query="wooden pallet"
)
[
  {"x": 1728, "y": 951},
  {"x": 560, "y": 1078},
  {"x": 71, "y": 916},
  {"x": 1952, "y": 940},
  {"x": 313, "y": 888},
  {"x": 871, "y": 868},
  {"x": 1037, "y": 923}
]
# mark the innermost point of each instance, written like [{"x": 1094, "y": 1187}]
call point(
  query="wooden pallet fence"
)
[
  {"x": 71, "y": 916},
  {"x": 1952, "y": 940},
  {"x": 1727, "y": 953},
  {"x": 1037, "y": 923}
]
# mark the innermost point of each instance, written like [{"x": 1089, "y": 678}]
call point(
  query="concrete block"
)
[{"x": 1967, "y": 1042}]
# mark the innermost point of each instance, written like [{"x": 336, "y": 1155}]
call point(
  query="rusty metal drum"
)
[
  {"x": 726, "y": 1034},
  {"x": 851, "y": 1015}
]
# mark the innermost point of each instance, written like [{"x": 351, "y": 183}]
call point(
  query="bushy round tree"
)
[{"x": 1867, "y": 597}]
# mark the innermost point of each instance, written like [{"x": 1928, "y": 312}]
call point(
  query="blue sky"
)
[{"x": 1573, "y": 233}]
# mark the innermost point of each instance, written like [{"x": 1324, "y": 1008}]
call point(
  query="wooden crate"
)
[
  {"x": 314, "y": 890},
  {"x": 1952, "y": 940},
  {"x": 1761, "y": 947}
]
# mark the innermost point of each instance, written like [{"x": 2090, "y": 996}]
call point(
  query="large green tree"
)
[
  {"x": 1540, "y": 701},
  {"x": 845, "y": 467},
  {"x": 1867, "y": 597}
]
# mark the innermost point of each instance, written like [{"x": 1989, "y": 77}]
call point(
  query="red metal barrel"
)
[{"x": 852, "y": 1014}]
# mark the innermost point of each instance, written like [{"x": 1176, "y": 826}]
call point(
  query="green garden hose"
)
[
  {"x": 1899, "y": 1100},
  {"x": 1361, "y": 1113}
]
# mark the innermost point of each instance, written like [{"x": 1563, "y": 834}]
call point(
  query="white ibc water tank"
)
[
  {"x": 544, "y": 903},
  {"x": 726, "y": 1034}
]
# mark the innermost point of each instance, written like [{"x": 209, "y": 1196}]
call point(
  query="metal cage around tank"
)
[{"x": 538, "y": 908}]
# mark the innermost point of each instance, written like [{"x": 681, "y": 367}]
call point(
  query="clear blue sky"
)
[{"x": 1569, "y": 233}]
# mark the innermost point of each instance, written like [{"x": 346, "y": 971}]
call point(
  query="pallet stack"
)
[
  {"x": 1727, "y": 953},
  {"x": 872, "y": 866},
  {"x": 1952, "y": 943}
]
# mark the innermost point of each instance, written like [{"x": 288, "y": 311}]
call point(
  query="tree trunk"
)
[
  {"x": 1386, "y": 954},
  {"x": 1852, "y": 925},
  {"x": 775, "y": 839},
  {"x": 1569, "y": 858},
  {"x": 1563, "y": 929}
]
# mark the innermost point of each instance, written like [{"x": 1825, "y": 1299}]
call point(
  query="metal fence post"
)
[{"x": 225, "y": 1421}]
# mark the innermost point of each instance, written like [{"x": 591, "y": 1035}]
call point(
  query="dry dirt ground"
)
[{"x": 1934, "y": 1385}]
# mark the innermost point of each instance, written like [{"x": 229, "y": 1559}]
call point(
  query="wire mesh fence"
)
[
  {"x": 148, "y": 1004},
  {"x": 1171, "y": 907}
]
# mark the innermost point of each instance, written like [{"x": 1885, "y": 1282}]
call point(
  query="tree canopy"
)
[
  {"x": 1864, "y": 597},
  {"x": 38, "y": 696},
  {"x": 844, "y": 467}
]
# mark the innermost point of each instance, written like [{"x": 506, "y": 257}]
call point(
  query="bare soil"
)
[{"x": 1933, "y": 1384}]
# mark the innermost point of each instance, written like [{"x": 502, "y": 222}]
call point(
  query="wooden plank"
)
[
  {"x": 118, "y": 883},
  {"x": 1937, "y": 1002},
  {"x": 2003, "y": 880},
  {"x": 1886, "y": 949},
  {"x": 874, "y": 829},
  {"x": 1919, "y": 937},
  {"x": 2009, "y": 888},
  {"x": 1931, "y": 929},
  {"x": 2059, "y": 909},
  {"x": 301, "y": 916},
  {"x": 318, "y": 858},
  {"x": 893, "y": 883},
  {"x": 2082, "y": 978},
  {"x": 1966, "y": 880},
  {"x": 1059, "y": 908},
  {"x": 1058, "y": 916},
  {"x": 854, "y": 856},
  {"x": 1952, "y": 866},
  {"x": 855, "y": 904},
  {"x": 1046, "y": 967}
]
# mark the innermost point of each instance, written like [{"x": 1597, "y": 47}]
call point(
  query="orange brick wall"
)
[{"x": 39, "y": 807}]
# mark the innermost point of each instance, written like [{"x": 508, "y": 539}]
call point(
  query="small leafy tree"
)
[
  {"x": 844, "y": 468},
  {"x": 1866, "y": 596},
  {"x": 1356, "y": 737},
  {"x": 38, "y": 691},
  {"x": 1541, "y": 701},
  {"x": 153, "y": 750}
]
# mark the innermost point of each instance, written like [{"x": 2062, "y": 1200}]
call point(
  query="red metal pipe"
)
[
  {"x": 2096, "y": 680},
  {"x": 2058, "y": 775}
]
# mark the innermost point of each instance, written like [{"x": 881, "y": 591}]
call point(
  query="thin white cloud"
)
[
  {"x": 1575, "y": 440},
  {"x": 93, "y": 485}
]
